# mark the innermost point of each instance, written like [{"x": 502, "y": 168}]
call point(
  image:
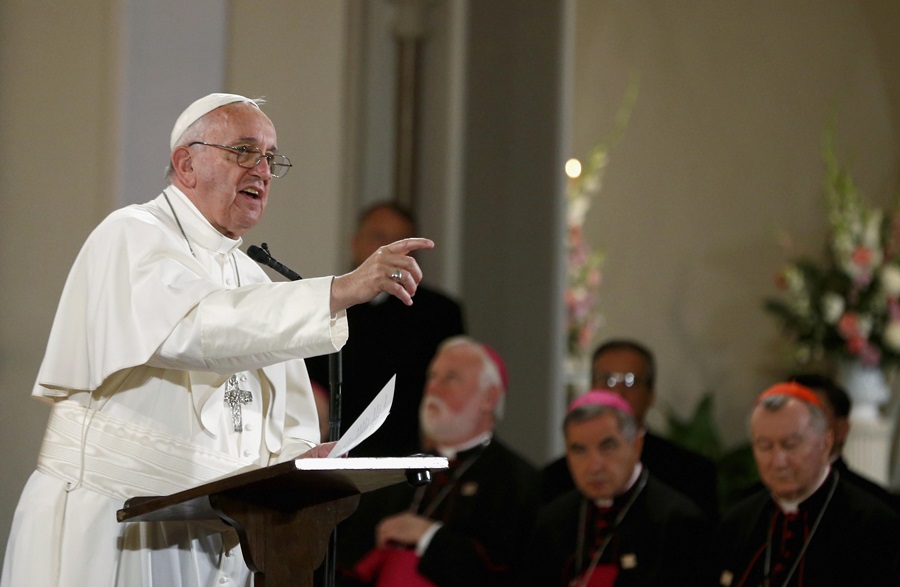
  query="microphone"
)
[
  {"x": 263, "y": 257},
  {"x": 335, "y": 380}
]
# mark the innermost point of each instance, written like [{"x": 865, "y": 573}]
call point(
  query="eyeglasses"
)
[
  {"x": 612, "y": 379},
  {"x": 249, "y": 157}
]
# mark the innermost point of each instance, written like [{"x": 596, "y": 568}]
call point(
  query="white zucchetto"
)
[{"x": 200, "y": 108}]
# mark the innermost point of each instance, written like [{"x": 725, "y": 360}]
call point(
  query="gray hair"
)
[
  {"x": 490, "y": 374},
  {"x": 627, "y": 424},
  {"x": 817, "y": 420}
]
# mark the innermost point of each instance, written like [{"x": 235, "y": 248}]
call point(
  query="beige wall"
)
[
  {"x": 722, "y": 153},
  {"x": 56, "y": 95},
  {"x": 298, "y": 60}
]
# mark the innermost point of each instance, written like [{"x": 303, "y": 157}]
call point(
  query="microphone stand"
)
[{"x": 263, "y": 256}]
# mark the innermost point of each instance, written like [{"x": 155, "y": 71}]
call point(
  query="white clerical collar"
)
[
  {"x": 450, "y": 452},
  {"x": 635, "y": 475},
  {"x": 791, "y": 506},
  {"x": 196, "y": 227}
]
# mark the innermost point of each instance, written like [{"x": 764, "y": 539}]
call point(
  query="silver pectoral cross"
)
[{"x": 235, "y": 397}]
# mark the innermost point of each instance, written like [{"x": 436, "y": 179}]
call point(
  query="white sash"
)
[{"x": 86, "y": 447}]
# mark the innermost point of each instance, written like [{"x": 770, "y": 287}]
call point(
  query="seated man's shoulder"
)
[
  {"x": 434, "y": 298},
  {"x": 857, "y": 526},
  {"x": 686, "y": 471},
  {"x": 555, "y": 479},
  {"x": 503, "y": 471},
  {"x": 744, "y": 514},
  {"x": 563, "y": 507},
  {"x": 662, "y": 492},
  {"x": 867, "y": 508},
  {"x": 500, "y": 454},
  {"x": 658, "y": 449},
  {"x": 556, "y": 467},
  {"x": 869, "y": 486}
]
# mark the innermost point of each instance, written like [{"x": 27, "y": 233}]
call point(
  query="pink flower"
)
[
  {"x": 856, "y": 344},
  {"x": 869, "y": 354},
  {"x": 848, "y": 326},
  {"x": 893, "y": 309},
  {"x": 862, "y": 256},
  {"x": 781, "y": 281}
]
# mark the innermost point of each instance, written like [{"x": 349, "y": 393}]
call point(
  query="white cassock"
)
[{"x": 146, "y": 337}]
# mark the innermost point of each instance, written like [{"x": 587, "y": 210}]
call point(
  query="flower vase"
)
[{"x": 867, "y": 388}]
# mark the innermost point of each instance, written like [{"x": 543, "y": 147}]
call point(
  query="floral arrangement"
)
[
  {"x": 583, "y": 275},
  {"x": 849, "y": 306}
]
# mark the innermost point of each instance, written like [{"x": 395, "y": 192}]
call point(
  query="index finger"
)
[{"x": 410, "y": 244}]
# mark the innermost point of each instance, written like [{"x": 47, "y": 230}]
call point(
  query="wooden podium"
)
[{"x": 285, "y": 513}]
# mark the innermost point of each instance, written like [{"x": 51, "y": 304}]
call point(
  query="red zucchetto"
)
[{"x": 794, "y": 390}]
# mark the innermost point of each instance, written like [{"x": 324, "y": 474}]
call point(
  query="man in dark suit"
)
[
  {"x": 622, "y": 526},
  {"x": 389, "y": 337},
  {"x": 465, "y": 527},
  {"x": 629, "y": 368},
  {"x": 809, "y": 525},
  {"x": 836, "y": 407}
]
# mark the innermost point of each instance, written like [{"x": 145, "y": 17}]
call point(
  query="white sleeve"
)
[{"x": 255, "y": 326}]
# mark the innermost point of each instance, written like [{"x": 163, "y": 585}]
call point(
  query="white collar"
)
[
  {"x": 450, "y": 452},
  {"x": 196, "y": 227},
  {"x": 791, "y": 506},
  {"x": 635, "y": 475}
]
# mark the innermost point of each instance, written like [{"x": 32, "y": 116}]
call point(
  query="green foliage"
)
[{"x": 699, "y": 433}]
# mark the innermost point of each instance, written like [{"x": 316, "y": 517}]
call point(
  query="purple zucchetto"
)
[{"x": 601, "y": 397}]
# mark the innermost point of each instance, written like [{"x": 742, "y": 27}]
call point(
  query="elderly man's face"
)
[
  {"x": 600, "y": 458},
  {"x": 455, "y": 408},
  {"x": 790, "y": 453},
  {"x": 616, "y": 364},
  {"x": 231, "y": 197}
]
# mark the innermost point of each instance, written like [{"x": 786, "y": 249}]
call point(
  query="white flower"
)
[
  {"x": 578, "y": 209},
  {"x": 865, "y": 323},
  {"x": 892, "y": 335},
  {"x": 890, "y": 280},
  {"x": 832, "y": 307},
  {"x": 592, "y": 184},
  {"x": 793, "y": 279},
  {"x": 872, "y": 235}
]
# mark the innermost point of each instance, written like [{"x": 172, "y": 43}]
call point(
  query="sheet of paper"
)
[{"x": 368, "y": 422}]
